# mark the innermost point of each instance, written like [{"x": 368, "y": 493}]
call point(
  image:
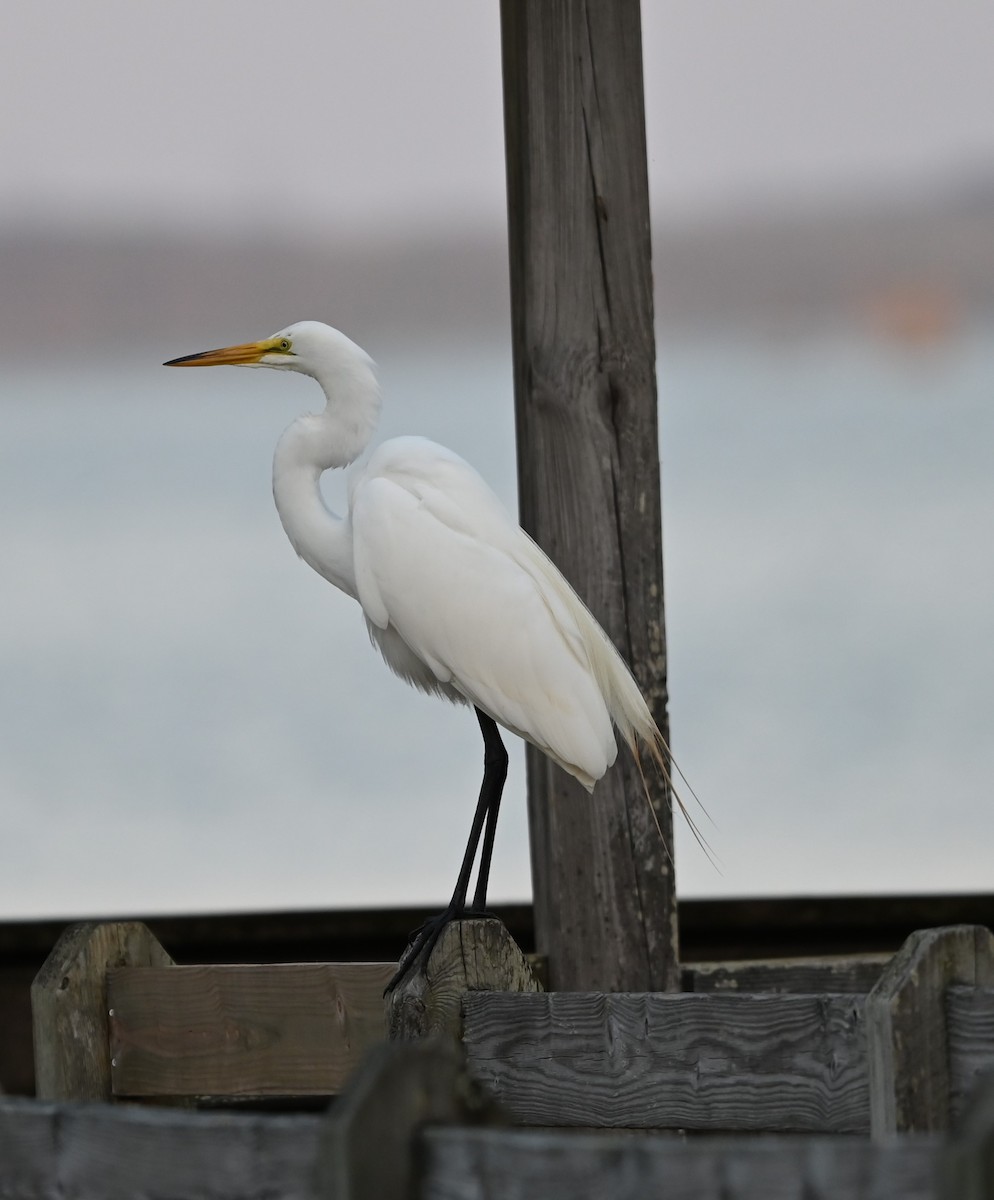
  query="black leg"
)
[
  {"x": 487, "y": 808},
  {"x": 495, "y": 770}
]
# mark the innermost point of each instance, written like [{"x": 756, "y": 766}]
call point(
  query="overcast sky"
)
[{"x": 372, "y": 113}]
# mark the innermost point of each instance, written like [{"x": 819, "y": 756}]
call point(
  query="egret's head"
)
[{"x": 309, "y": 347}]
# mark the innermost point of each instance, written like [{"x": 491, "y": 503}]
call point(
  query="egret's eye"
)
[{"x": 284, "y": 344}]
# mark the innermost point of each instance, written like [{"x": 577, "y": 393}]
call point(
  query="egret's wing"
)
[{"x": 439, "y": 561}]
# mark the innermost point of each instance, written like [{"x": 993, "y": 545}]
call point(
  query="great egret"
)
[{"x": 457, "y": 598}]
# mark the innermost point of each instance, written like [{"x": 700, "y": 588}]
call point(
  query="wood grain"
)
[
  {"x": 532, "y": 1165},
  {"x": 909, "y": 1062},
  {"x": 281, "y": 1030},
  {"x": 763, "y": 1062},
  {"x": 588, "y": 459}
]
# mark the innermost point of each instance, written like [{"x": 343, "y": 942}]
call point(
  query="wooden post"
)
[
  {"x": 588, "y": 459},
  {"x": 368, "y": 1149},
  {"x": 484, "y": 1164},
  {"x": 470, "y": 956},
  {"x": 907, "y": 1040},
  {"x": 69, "y": 1006}
]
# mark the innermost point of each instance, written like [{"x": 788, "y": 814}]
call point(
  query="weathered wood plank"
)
[
  {"x": 469, "y": 956},
  {"x": 787, "y": 975},
  {"x": 970, "y": 1029},
  {"x": 588, "y": 457},
  {"x": 906, "y": 1026},
  {"x": 103, "y": 1152},
  {"x": 531, "y": 1165},
  {"x": 711, "y": 1061},
  {"x": 276, "y": 1030},
  {"x": 69, "y": 1006}
]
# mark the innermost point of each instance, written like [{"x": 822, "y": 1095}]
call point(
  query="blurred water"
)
[{"x": 193, "y": 720}]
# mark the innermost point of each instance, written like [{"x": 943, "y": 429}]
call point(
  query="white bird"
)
[{"x": 457, "y": 598}]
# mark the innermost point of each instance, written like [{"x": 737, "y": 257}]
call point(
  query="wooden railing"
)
[{"x": 455, "y": 1118}]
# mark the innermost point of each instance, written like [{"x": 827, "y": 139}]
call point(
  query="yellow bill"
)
[{"x": 233, "y": 356}]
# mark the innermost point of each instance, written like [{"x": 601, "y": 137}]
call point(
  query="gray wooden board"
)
[
  {"x": 102, "y": 1152},
  {"x": 970, "y": 1029},
  {"x": 27, "y": 1149},
  {"x": 787, "y": 975},
  {"x": 462, "y": 1164},
  {"x": 656, "y": 1060}
]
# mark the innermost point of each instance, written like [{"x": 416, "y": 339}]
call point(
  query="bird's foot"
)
[
  {"x": 422, "y": 942},
  {"x": 424, "y": 938}
]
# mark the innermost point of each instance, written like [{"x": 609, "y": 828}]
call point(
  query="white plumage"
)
[{"x": 442, "y": 570}]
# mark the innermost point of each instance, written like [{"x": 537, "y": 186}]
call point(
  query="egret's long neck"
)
[{"x": 314, "y": 444}]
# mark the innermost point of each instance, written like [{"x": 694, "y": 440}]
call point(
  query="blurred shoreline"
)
[{"x": 911, "y": 270}]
